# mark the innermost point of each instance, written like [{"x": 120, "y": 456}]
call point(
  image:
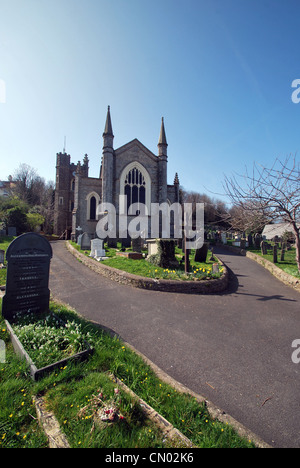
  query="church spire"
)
[
  {"x": 108, "y": 127},
  {"x": 162, "y": 137},
  {"x": 107, "y": 166},
  {"x": 162, "y": 142}
]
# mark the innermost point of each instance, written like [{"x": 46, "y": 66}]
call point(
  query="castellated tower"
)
[{"x": 64, "y": 192}]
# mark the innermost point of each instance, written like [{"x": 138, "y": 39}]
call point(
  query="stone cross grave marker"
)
[
  {"x": 79, "y": 239},
  {"x": 27, "y": 283}
]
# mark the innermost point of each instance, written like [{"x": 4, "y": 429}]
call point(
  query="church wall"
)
[
  {"x": 85, "y": 186},
  {"x": 149, "y": 161}
]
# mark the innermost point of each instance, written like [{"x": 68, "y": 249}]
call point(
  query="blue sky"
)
[{"x": 219, "y": 71}]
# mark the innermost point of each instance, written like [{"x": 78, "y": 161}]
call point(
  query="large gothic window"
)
[{"x": 136, "y": 186}]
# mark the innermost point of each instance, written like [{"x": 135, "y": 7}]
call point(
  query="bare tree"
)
[
  {"x": 246, "y": 218},
  {"x": 30, "y": 187},
  {"x": 271, "y": 194},
  {"x": 214, "y": 209}
]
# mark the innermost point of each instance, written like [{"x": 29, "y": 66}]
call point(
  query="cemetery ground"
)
[
  {"x": 287, "y": 264},
  {"x": 4, "y": 243},
  {"x": 92, "y": 410},
  {"x": 234, "y": 348},
  {"x": 77, "y": 392},
  {"x": 141, "y": 267}
]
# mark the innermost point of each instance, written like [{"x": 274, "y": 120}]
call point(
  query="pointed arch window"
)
[
  {"x": 93, "y": 201},
  {"x": 136, "y": 186},
  {"x": 93, "y": 208}
]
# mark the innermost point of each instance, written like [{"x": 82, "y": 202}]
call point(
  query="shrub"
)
[{"x": 165, "y": 256}]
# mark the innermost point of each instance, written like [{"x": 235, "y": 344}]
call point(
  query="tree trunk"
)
[
  {"x": 298, "y": 250},
  {"x": 297, "y": 235}
]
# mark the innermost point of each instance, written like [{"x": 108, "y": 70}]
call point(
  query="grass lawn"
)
[
  {"x": 4, "y": 243},
  {"x": 143, "y": 268},
  {"x": 289, "y": 264},
  {"x": 77, "y": 391}
]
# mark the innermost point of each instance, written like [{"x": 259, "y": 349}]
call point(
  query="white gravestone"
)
[{"x": 97, "y": 248}]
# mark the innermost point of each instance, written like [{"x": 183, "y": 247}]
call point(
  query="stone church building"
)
[{"x": 131, "y": 170}]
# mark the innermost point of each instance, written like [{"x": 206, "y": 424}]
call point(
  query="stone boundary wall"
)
[
  {"x": 277, "y": 272},
  {"x": 188, "y": 287}
]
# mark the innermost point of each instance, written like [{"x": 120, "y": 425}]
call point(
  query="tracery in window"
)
[
  {"x": 135, "y": 188},
  {"x": 135, "y": 184}
]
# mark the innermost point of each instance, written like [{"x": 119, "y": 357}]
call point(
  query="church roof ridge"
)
[{"x": 139, "y": 143}]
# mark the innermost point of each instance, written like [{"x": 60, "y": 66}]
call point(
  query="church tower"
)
[{"x": 107, "y": 161}]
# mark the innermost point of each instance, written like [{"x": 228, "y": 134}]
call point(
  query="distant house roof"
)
[
  {"x": 5, "y": 186},
  {"x": 272, "y": 230}
]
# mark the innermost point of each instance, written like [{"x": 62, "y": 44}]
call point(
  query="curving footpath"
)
[{"x": 232, "y": 347}]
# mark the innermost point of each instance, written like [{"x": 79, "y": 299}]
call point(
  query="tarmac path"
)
[{"x": 234, "y": 348}]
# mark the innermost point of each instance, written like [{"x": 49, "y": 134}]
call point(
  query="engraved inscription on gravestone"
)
[{"x": 27, "y": 284}]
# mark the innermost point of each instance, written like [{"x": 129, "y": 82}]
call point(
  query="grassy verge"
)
[
  {"x": 198, "y": 271},
  {"x": 74, "y": 392},
  {"x": 288, "y": 265},
  {"x": 4, "y": 243}
]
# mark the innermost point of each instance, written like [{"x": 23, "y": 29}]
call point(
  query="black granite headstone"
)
[{"x": 27, "y": 284}]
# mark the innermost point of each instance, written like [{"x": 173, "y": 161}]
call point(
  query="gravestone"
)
[
  {"x": 126, "y": 242},
  {"x": 79, "y": 239},
  {"x": 78, "y": 233},
  {"x": 85, "y": 241},
  {"x": 2, "y": 256},
  {"x": 275, "y": 256},
  {"x": 257, "y": 240},
  {"x": 165, "y": 253},
  {"x": 97, "y": 248},
  {"x": 136, "y": 244},
  {"x": 224, "y": 238},
  {"x": 27, "y": 283},
  {"x": 283, "y": 247},
  {"x": 11, "y": 231},
  {"x": 201, "y": 254},
  {"x": 250, "y": 240},
  {"x": 2, "y": 352},
  {"x": 263, "y": 248}
]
